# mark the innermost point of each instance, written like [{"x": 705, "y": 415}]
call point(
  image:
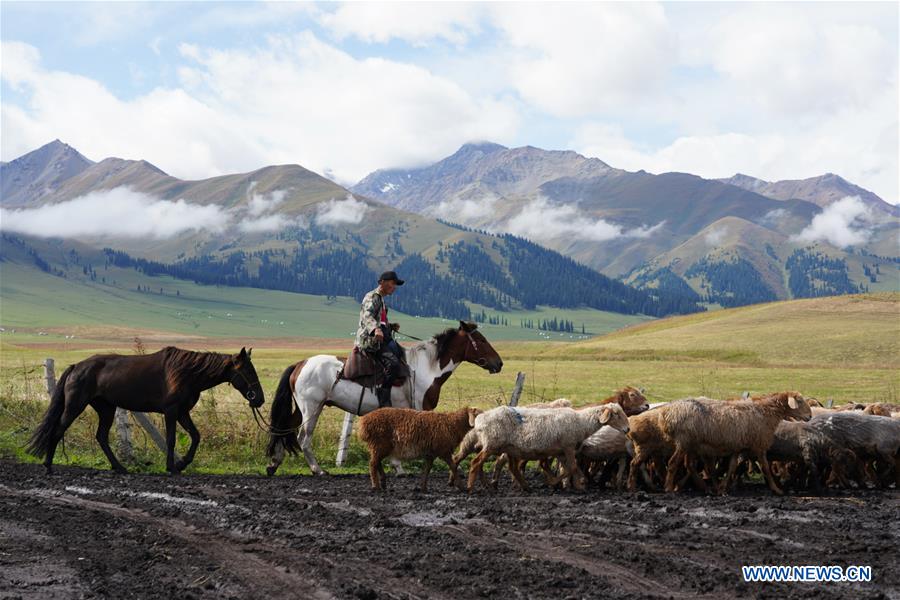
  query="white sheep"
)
[{"x": 532, "y": 434}]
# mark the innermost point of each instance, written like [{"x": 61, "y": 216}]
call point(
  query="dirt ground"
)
[{"x": 92, "y": 534}]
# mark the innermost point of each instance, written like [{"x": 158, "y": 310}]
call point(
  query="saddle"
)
[{"x": 362, "y": 369}]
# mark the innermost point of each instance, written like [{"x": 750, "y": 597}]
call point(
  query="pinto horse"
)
[
  {"x": 308, "y": 386},
  {"x": 167, "y": 382}
]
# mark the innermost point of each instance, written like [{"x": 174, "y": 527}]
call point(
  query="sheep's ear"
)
[
  {"x": 604, "y": 416},
  {"x": 792, "y": 402},
  {"x": 641, "y": 391},
  {"x": 473, "y": 412}
]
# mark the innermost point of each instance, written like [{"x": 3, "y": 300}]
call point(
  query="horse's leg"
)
[
  {"x": 171, "y": 416},
  {"x": 185, "y": 420},
  {"x": 107, "y": 414},
  {"x": 75, "y": 405},
  {"x": 311, "y": 414}
]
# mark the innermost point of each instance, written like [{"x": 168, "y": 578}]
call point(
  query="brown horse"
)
[{"x": 167, "y": 382}]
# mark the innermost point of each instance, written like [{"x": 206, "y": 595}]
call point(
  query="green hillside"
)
[
  {"x": 124, "y": 300},
  {"x": 843, "y": 331}
]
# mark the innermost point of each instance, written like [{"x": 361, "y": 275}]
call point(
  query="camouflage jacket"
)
[{"x": 369, "y": 319}]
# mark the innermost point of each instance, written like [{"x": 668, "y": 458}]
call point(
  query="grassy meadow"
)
[{"x": 842, "y": 348}]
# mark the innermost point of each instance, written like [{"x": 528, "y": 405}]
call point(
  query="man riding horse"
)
[{"x": 375, "y": 335}]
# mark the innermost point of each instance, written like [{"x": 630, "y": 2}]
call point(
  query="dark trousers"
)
[{"x": 389, "y": 357}]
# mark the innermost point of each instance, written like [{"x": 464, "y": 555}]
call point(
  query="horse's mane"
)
[
  {"x": 184, "y": 364},
  {"x": 443, "y": 339}
]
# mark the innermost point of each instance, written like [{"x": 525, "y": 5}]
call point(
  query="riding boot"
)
[{"x": 384, "y": 397}]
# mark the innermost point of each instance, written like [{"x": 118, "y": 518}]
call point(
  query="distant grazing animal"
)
[{"x": 167, "y": 382}]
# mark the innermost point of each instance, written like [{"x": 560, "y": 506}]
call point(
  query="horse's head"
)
[
  {"x": 245, "y": 380},
  {"x": 477, "y": 350}
]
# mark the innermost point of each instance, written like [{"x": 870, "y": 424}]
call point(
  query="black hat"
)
[{"x": 390, "y": 276}]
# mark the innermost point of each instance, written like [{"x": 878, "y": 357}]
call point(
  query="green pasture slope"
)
[
  {"x": 845, "y": 348},
  {"x": 33, "y": 300}
]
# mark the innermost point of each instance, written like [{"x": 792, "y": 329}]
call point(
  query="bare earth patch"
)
[{"x": 91, "y": 534}]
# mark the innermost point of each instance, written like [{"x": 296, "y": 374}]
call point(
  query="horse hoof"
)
[{"x": 270, "y": 470}]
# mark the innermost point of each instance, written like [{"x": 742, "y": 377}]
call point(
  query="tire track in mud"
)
[
  {"x": 238, "y": 536},
  {"x": 258, "y": 576}
]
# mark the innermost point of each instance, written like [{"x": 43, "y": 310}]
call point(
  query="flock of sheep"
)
[{"x": 706, "y": 444}]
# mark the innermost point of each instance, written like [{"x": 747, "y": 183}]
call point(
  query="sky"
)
[{"x": 772, "y": 90}]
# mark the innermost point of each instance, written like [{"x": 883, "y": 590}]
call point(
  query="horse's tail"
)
[
  {"x": 42, "y": 439},
  {"x": 284, "y": 416}
]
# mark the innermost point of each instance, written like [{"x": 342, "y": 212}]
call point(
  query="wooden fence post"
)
[
  {"x": 344, "y": 442},
  {"x": 123, "y": 428},
  {"x": 517, "y": 391},
  {"x": 145, "y": 422},
  {"x": 50, "y": 376}
]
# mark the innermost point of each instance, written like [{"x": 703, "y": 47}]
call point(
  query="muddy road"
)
[{"x": 93, "y": 534}]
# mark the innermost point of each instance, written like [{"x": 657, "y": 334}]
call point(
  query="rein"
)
[
  {"x": 257, "y": 416},
  {"x": 250, "y": 395}
]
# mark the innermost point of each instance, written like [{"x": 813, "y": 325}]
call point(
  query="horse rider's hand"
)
[
  {"x": 379, "y": 335},
  {"x": 395, "y": 326}
]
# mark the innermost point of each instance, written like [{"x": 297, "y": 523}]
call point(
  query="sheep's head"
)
[
  {"x": 632, "y": 400},
  {"x": 473, "y": 412},
  {"x": 797, "y": 407},
  {"x": 877, "y": 409},
  {"x": 613, "y": 415}
]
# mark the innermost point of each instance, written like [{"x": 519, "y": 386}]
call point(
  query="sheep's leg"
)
[
  {"x": 374, "y": 468},
  {"x": 606, "y": 474},
  {"x": 571, "y": 470},
  {"x": 476, "y": 470},
  {"x": 620, "y": 475},
  {"x": 454, "y": 472},
  {"x": 429, "y": 460},
  {"x": 501, "y": 462},
  {"x": 636, "y": 464},
  {"x": 675, "y": 461},
  {"x": 732, "y": 467},
  {"x": 516, "y": 469},
  {"x": 767, "y": 472},
  {"x": 691, "y": 473}
]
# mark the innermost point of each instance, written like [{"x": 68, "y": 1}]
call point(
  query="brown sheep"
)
[
  {"x": 710, "y": 428},
  {"x": 881, "y": 409},
  {"x": 630, "y": 399},
  {"x": 650, "y": 443},
  {"x": 407, "y": 434}
]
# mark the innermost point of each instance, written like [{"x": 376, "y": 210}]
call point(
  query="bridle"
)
[
  {"x": 480, "y": 361},
  {"x": 250, "y": 395}
]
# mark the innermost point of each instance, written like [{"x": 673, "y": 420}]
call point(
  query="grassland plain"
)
[{"x": 843, "y": 348}]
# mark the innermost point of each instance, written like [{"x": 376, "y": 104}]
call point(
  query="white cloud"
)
[
  {"x": 580, "y": 58},
  {"x": 260, "y": 204},
  {"x": 293, "y": 100},
  {"x": 774, "y": 216},
  {"x": 843, "y": 223},
  {"x": 121, "y": 212},
  {"x": 267, "y": 223},
  {"x": 467, "y": 211},
  {"x": 336, "y": 212},
  {"x": 415, "y": 22},
  {"x": 541, "y": 221},
  {"x": 714, "y": 237},
  {"x": 792, "y": 62}
]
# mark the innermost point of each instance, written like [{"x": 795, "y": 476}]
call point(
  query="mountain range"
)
[
  {"x": 283, "y": 227},
  {"x": 634, "y": 225},
  {"x": 492, "y": 226}
]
